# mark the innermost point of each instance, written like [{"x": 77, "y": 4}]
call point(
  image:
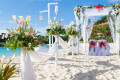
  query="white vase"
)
[{"x": 27, "y": 72}]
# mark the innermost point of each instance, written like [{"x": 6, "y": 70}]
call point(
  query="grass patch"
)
[{"x": 70, "y": 53}]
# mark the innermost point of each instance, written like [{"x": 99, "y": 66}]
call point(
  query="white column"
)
[
  {"x": 56, "y": 55},
  {"x": 77, "y": 29},
  {"x": 84, "y": 34},
  {"x": 49, "y": 23},
  {"x": 117, "y": 34},
  {"x": 72, "y": 46}
]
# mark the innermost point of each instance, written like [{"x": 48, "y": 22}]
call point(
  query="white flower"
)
[
  {"x": 72, "y": 23},
  {"x": 14, "y": 18},
  {"x": 57, "y": 23},
  {"x": 54, "y": 18},
  {"x": 3, "y": 36},
  {"x": 28, "y": 19},
  {"x": 26, "y": 33},
  {"x": 61, "y": 19},
  {"x": 13, "y": 57},
  {"x": 49, "y": 27},
  {"x": 21, "y": 18},
  {"x": 29, "y": 44},
  {"x": 3, "y": 59},
  {"x": 50, "y": 21}
]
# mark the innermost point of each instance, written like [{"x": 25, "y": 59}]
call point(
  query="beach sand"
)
[{"x": 81, "y": 67}]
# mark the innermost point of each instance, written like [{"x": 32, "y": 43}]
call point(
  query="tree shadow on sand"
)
[{"x": 91, "y": 75}]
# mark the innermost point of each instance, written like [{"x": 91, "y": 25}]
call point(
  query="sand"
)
[{"x": 81, "y": 67}]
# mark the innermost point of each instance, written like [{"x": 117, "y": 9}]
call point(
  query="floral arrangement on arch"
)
[
  {"x": 21, "y": 36},
  {"x": 55, "y": 28},
  {"x": 80, "y": 9},
  {"x": 71, "y": 29}
]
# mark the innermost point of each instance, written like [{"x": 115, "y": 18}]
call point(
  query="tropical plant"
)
[
  {"x": 22, "y": 36},
  {"x": 71, "y": 29},
  {"x": 55, "y": 28},
  {"x": 8, "y": 70}
]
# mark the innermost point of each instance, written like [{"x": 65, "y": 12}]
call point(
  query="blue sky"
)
[{"x": 32, "y": 8}]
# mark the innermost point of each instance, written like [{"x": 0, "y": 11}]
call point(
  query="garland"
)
[{"x": 80, "y": 9}]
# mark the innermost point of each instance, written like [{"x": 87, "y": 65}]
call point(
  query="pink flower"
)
[
  {"x": 33, "y": 35},
  {"x": 23, "y": 25},
  {"x": 6, "y": 36},
  {"x": 17, "y": 31},
  {"x": 20, "y": 23},
  {"x": 61, "y": 26},
  {"x": 37, "y": 41},
  {"x": 29, "y": 33},
  {"x": 13, "y": 32}
]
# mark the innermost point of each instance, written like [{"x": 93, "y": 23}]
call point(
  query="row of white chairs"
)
[{"x": 100, "y": 48}]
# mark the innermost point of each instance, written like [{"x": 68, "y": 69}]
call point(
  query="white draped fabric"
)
[
  {"x": 89, "y": 31},
  {"x": 117, "y": 34},
  {"x": 63, "y": 43},
  {"x": 112, "y": 19},
  {"x": 104, "y": 50},
  {"x": 27, "y": 72},
  {"x": 94, "y": 12},
  {"x": 74, "y": 42},
  {"x": 111, "y": 25},
  {"x": 77, "y": 37}
]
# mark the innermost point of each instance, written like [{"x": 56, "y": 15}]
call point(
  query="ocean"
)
[{"x": 6, "y": 51}]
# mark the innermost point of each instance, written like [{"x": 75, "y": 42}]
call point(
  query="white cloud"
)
[
  {"x": 3, "y": 31},
  {"x": 11, "y": 22},
  {"x": 42, "y": 30},
  {"x": 114, "y": 0}
]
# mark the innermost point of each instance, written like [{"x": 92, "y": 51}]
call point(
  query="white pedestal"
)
[{"x": 56, "y": 55}]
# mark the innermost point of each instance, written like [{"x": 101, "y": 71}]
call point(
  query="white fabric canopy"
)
[
  {"x": 108, "y": 11},
  {"x": 94, "y": 12}
]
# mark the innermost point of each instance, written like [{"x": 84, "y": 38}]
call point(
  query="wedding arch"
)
[{"x": 83, "y": 13}]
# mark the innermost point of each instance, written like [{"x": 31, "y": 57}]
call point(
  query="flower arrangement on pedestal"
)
[
  {"x": 55, "y": 28},
  {"x": 22, "y": 36},
  {"x": 71, "y": 29}
]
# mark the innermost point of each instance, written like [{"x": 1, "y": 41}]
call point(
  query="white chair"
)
[
  {"x": 103, "y": 48},
  {"x": 92, "y": 47}
]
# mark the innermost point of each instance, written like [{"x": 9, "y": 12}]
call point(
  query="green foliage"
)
[
  {"x": 71, "y": 29},
  {"x": 42, "y": 39},
  {"x": 101, "y": 31},
  {"x": 7, "y": 71},
  {"x": 70, "y": 53},
  {"x": 102, "y": 20},
  {"x": 55, "y": 28},
  {"x": 22, "y": 36}
]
